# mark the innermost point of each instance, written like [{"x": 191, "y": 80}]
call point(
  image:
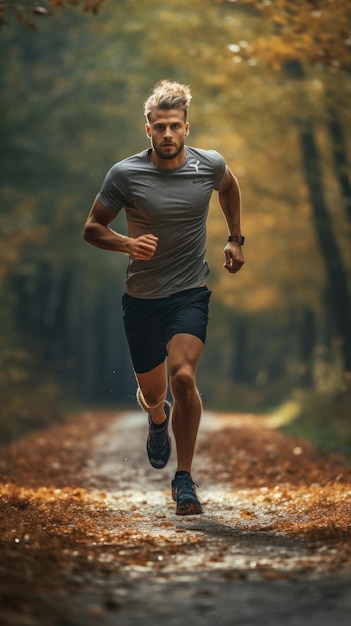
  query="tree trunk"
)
[
  {"x": 340, "y": 158},
  {"x": 337, "y": 277},
  {"x": 336, "y": 273},
  {"x": 308, "y": 341}
]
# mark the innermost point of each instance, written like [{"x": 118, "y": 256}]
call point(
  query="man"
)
[{"x": 165, "y": 192}]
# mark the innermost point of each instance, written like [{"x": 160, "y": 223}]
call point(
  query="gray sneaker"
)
[
  {"x": 184, "y": 494},
  {"x": 158, "y": 444}
]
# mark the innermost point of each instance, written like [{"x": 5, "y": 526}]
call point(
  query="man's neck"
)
[{"x": 168, "y": 164}]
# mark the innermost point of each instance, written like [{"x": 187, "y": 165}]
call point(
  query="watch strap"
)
[{"x": 237, "y": 238}]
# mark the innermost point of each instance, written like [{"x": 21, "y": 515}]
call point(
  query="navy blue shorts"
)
[{"x": 150, "y": 323}]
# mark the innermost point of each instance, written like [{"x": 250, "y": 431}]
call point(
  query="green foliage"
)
[
  {"x": 27, "y": 400},
  {"x": 323, "y": 419}
]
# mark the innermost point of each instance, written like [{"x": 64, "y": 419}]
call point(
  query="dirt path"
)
[{"x": 89, "y": 532}]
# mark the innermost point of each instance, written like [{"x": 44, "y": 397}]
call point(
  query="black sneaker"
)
[
  {"x": 158, "y": 443},
  {"x": 184, "y": 494}
]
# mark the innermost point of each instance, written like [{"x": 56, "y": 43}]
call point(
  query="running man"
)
[{"x": 165, "y": 191}]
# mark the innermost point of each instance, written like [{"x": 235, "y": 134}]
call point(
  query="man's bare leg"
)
[
  {"x": 152, "y": 392},
  {"x": 184, "y": 351},
  {"x": 151, "y": 396}
]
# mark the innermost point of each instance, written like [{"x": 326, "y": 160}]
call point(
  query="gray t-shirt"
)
[{"x": 172, "y": 205}]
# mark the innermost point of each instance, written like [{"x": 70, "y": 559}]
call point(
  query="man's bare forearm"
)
[
  {"x": 102, "y": 236},
  {"x": 230, "y": 201}
]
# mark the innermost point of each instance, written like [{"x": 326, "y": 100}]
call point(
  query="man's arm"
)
[
  {"x": 98, "y": 233},
  {"x": 230, "y": 201}
]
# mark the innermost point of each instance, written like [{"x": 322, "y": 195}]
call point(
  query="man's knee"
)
[
  {"x": 182, "y": 380},
  {"x": 149, "y": 399}
]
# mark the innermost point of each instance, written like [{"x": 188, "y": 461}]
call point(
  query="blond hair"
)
[{"x": 168, "y": 95}]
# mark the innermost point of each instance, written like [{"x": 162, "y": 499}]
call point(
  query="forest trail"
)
[{"x": 89, "y": 533}]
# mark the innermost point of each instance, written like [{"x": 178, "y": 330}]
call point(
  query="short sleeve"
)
[
  {"x": 220, "y": 169},
  {"x": 111, "y": 194}
]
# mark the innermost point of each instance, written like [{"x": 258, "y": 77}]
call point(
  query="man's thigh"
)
[{"x": 184, "y": 351}]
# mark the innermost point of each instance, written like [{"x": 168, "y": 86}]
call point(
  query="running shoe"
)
[
  {"x": 184, "y": 494},
  {"x": 158, "y": 443}
]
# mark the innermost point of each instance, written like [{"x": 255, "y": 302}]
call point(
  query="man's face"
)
[{"x": 167, "y": 130}]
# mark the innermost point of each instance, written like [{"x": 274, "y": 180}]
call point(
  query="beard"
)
[{"x": 165, "y": 153}]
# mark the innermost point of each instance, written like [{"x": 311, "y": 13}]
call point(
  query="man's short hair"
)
[{"x": 168, "y": 95}]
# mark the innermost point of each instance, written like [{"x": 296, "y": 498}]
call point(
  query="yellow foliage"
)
[{"x": 317, "y": 33}]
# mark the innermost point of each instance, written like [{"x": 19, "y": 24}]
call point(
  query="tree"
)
[
  {"x": 316, "y": 33},
  {"x": 72, "y": 105}
]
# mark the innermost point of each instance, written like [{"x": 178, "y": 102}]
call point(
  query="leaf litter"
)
[{"x": 79, "y": 504}]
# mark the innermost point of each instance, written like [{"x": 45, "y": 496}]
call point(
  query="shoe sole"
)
[{"x": 189, "y": 509}]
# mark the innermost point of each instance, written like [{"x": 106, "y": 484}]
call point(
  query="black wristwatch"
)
[{"x": 238, "y": 238}]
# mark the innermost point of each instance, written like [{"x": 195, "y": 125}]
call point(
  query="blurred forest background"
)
[{"x": 271, "y": 91}]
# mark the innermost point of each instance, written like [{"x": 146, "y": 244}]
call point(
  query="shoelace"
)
[{"x": 186, "y": 484}]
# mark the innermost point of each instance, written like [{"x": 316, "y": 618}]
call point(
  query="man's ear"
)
[
  {"x": 148, "y": 130},
  {"x": 187, "y": 129}
]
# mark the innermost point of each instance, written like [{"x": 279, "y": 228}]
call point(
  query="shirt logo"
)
[{"x": 195, "y": 165}]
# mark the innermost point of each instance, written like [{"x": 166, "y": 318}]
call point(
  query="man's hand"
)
[
  {"x": 234, "y": 258},
  {"x": 142, "y": 248}
]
